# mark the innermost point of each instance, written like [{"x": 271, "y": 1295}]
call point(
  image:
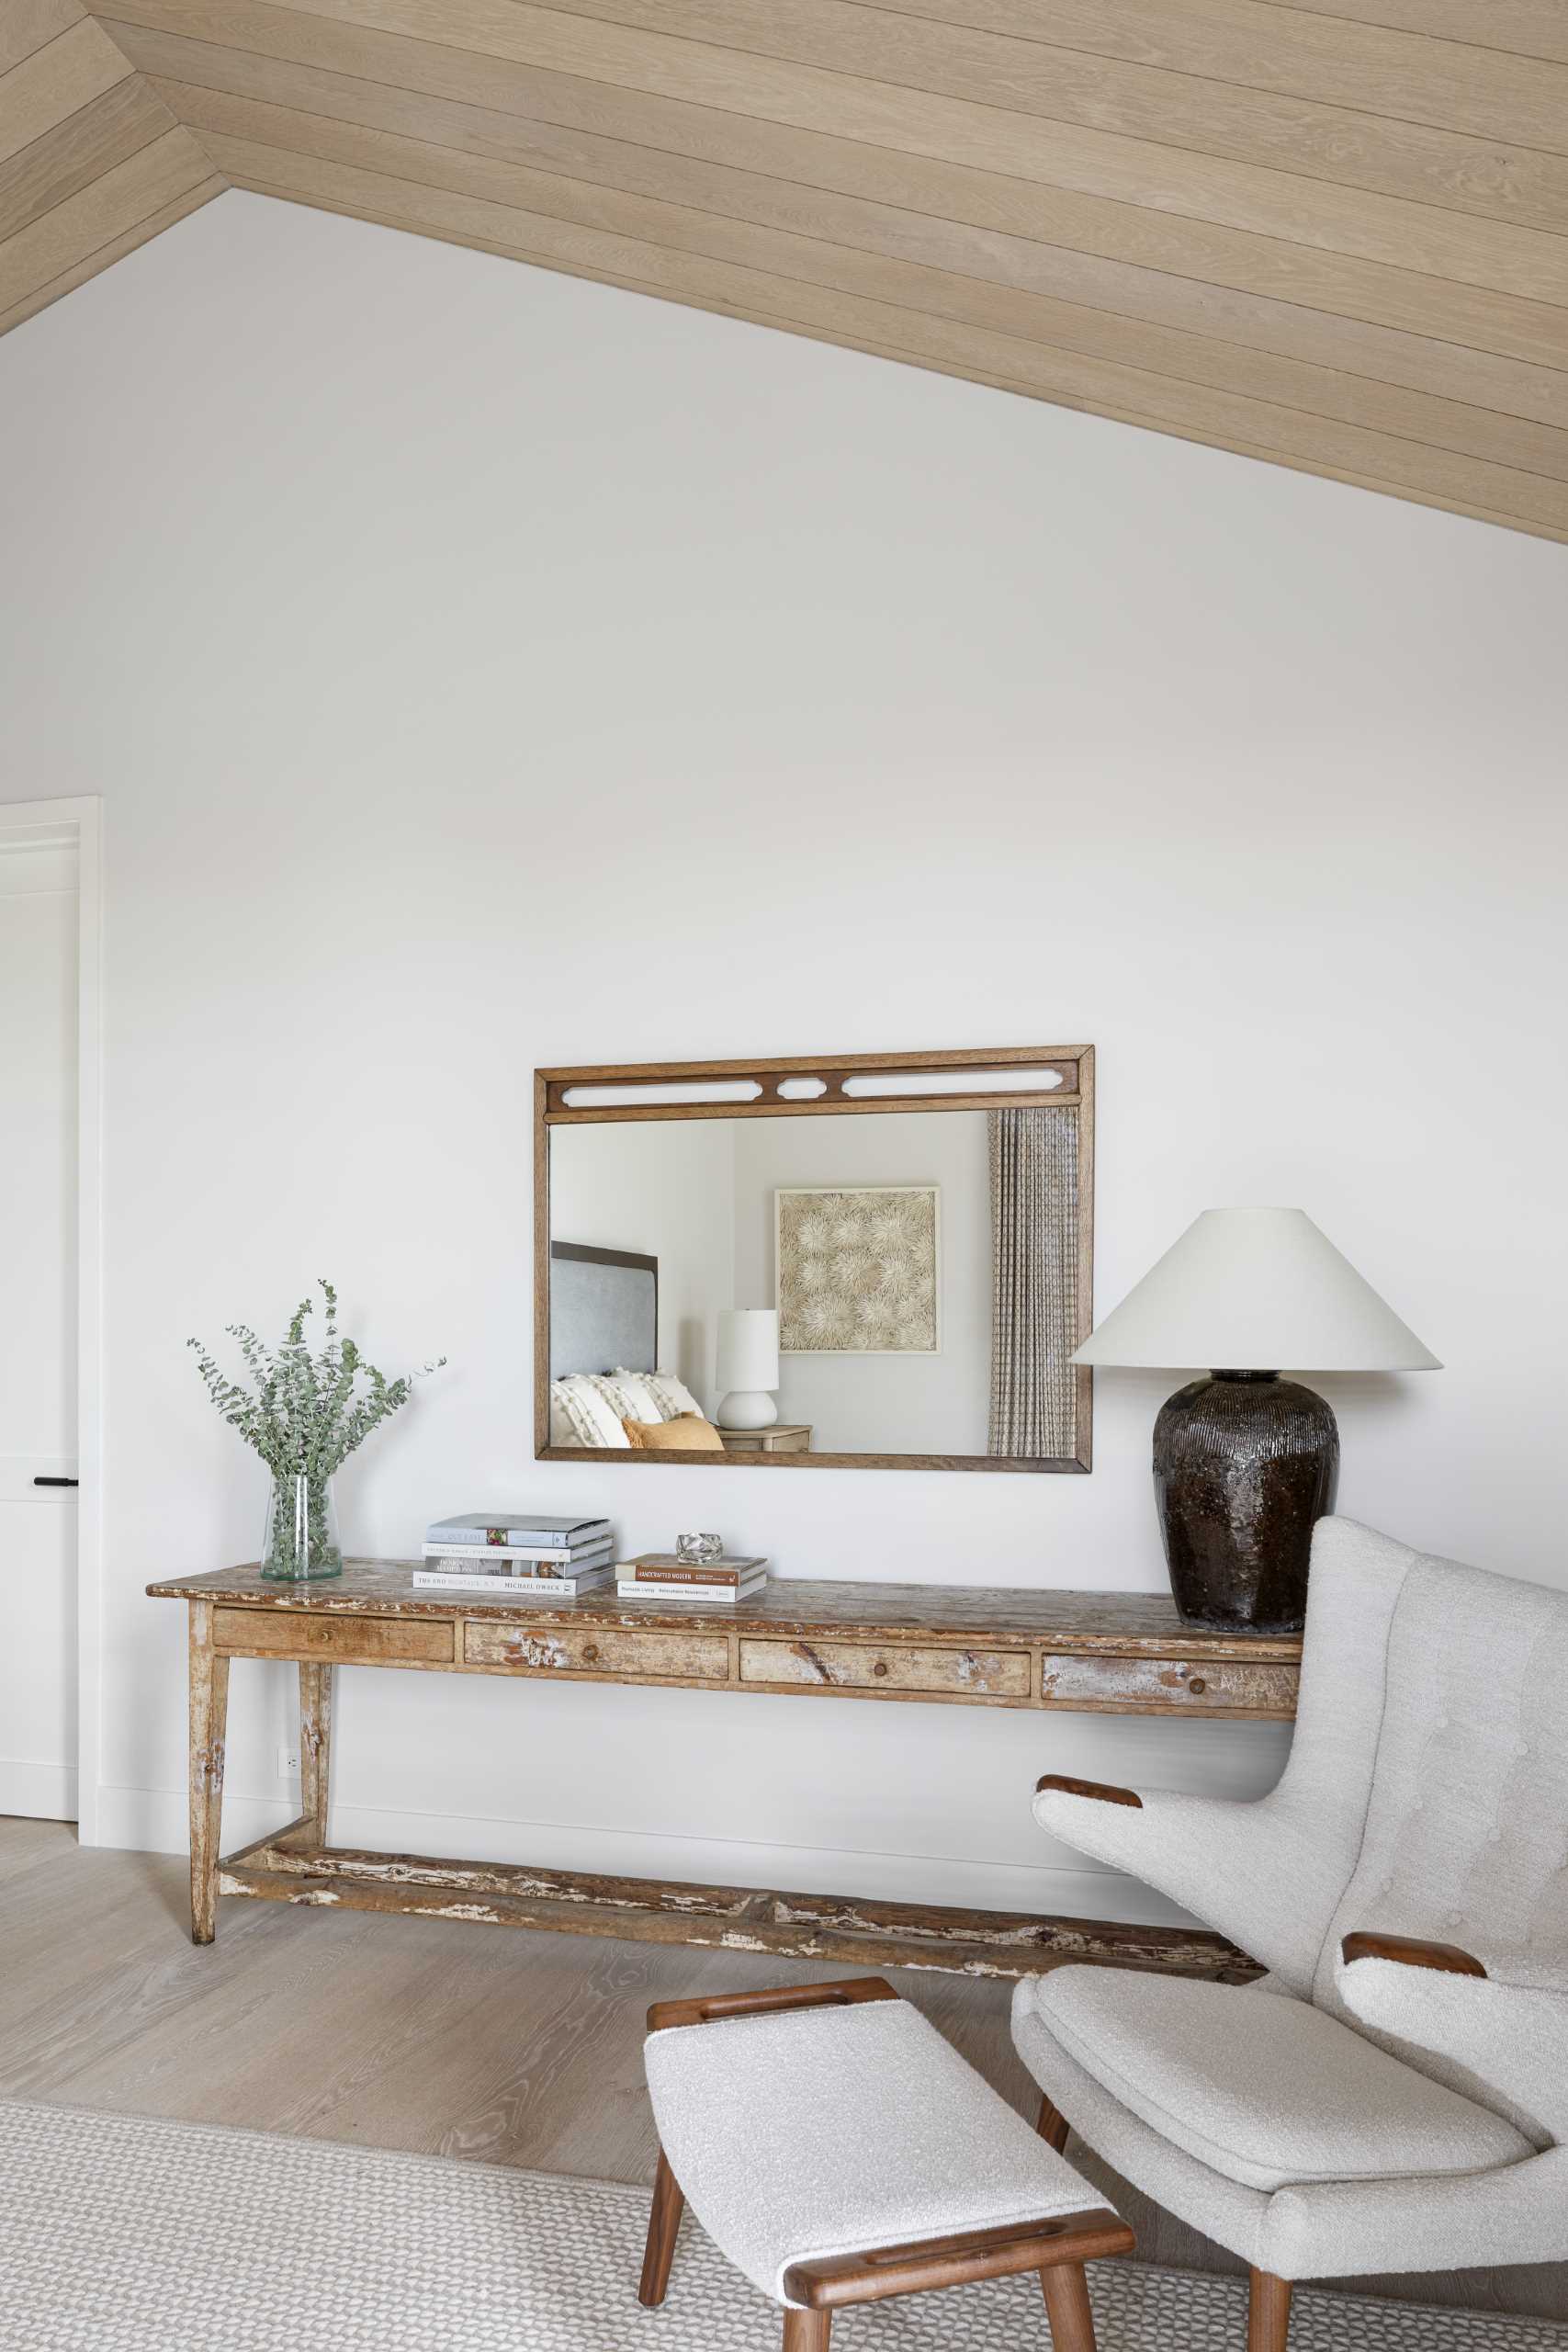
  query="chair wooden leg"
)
[
  {"x": 806, "y": 2331},
  {"x": 1053, "y": 2126},
  {"x": 663, "y": 2229},
  {"x": 1067, "y": 2307},
  {"x": 1267, "y": 2313}
]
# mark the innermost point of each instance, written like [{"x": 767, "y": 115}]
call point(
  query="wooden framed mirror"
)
[{"x": 861, "y": 1261}]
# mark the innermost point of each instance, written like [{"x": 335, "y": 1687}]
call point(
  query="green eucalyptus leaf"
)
[{"x": 307, "y": 1413}]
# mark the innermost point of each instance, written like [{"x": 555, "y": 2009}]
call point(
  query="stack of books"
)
[
  {"x": 498, "y": 1554},
  {"x": 659, "y": 1575}
]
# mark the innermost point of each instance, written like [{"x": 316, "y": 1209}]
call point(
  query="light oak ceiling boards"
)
[
  {"x": 92, "y": 161},
  {"x": 1331, "y": 234}
]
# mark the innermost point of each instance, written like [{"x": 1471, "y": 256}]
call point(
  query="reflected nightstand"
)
[{"x": 781, "y": 1437}]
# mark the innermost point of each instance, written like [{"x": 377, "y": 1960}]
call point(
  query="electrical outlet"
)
[{"x": 288, "y": 1763}]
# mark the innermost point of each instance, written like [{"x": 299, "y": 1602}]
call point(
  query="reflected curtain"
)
[{"x": 1034, "y": 1163}]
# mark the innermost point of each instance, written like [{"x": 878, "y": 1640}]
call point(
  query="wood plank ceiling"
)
[
  {"x": 92, "y": 161},
  {"x": 1329, "y": 234}
]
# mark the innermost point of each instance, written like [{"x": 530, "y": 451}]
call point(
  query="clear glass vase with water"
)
[{"x": 299, "y": 1545}]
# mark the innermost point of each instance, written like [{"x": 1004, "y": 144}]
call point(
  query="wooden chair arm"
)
[
  {"x": 835, "y": 2280},
  {"x": 842, "y": 1993},
  {"x": 1103, "y": 1789},
  {"x": 1411, "y": 1951}
]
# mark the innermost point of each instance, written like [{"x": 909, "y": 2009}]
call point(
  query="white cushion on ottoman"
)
[{"x": 830, "y": 2130}]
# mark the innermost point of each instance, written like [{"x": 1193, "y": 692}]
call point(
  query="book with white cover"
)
[
  {"x": 497, "y": 1530},
  {"x": 523, "y": 1579},
  {"x": 481, "y": 1556},
  {"x": 721, "y": 1596},
  {"x": 521, "y": 1591}
]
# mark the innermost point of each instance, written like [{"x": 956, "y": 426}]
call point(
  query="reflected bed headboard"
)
[{"x": 603, "y": 1310}]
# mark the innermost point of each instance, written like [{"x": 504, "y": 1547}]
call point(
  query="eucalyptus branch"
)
[{"x": 305, "y": 1413}]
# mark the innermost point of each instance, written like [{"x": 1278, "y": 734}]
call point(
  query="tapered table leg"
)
[
  {"x": 209, "y": 1718},
  {"x": 315, "y": 1744}
]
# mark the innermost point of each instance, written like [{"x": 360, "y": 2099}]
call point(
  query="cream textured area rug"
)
[{"x": 118, "y": 2233}]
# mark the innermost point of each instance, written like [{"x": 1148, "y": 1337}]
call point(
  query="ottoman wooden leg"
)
[
  {"x": 1053, "y": 2126},
  {"x": 663, "y": 2229},
  {"x": 806, "y": 2331},
  {"x": 1067, "y": 2307}
]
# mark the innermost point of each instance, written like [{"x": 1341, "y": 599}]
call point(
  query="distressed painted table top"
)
[{"x": 1126, "y": 1624}]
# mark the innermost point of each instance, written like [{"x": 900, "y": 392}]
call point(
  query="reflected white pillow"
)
[
  {"x": 591, "y": 1416},
  {"x": 632, "y": 1395},
  {"x": 672, "y": 1395}
]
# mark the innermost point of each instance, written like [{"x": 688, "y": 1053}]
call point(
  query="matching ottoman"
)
[{"x": 838, "y": 2150}]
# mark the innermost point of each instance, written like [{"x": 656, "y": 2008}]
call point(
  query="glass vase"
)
[{"x": 299, "y": 1545}]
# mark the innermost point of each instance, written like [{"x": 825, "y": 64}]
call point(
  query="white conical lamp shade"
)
[{"x": 1255, "y": 1290}]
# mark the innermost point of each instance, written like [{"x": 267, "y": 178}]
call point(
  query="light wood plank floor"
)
[{"x": 470, "y": 2042}]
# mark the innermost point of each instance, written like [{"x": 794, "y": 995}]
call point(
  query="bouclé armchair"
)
[{"x": 1394, "y": 2094}]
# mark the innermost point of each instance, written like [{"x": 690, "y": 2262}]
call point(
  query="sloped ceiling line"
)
[
  {"x": 1334, "y": 237},
  {"x": 93, "y": 162}
]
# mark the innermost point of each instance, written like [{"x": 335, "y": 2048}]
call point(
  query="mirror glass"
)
[{"x": 898, "y": 1284}]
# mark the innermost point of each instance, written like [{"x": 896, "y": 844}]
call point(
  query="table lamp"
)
[
  {"x": 1246, "y": 1463},
  {"x": 748, "y": 1366}
]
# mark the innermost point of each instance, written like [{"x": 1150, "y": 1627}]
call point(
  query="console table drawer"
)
[
  {"x": 349, "y": 1640},
  {"x": 1170, "y": 1686},
  {"x": 868, "y": 1668},
  {"x": 594, "y": 1649}
]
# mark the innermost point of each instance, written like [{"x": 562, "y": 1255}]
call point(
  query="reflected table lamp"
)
[
  {"x": 748, "y": 1367},
  {"x": 1246, "y": 1463}
]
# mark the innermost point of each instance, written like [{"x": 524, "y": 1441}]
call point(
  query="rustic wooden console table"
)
[{"x": 1099, "y": 1652}]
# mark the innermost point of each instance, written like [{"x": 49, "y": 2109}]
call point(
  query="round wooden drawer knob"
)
[
  {"x": 590, "y": 1655},
  {"x": 880, "y": 1669},
  {"x": 1197, "y": 1686}
]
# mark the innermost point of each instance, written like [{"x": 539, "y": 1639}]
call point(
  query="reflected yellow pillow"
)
[{"x": 688, "y": 1433}]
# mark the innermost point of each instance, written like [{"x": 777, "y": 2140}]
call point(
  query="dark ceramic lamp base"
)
[{"x": 1245, "y": 1464}]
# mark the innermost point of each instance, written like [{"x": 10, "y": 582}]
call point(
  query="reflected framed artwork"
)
[{"x": 858, "y": 1268}]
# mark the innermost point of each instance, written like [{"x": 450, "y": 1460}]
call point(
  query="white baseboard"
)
[
  {"x": 156, "y": 1820},
  {"x": 42, "y": 1792}
]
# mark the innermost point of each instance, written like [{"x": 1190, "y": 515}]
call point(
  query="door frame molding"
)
[{"x": 79, "y": 821}]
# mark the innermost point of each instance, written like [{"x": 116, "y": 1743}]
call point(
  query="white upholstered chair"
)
[{"x": 1394, "y": 2094}]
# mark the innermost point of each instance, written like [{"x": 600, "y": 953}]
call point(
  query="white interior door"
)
[{"x": 38, "y": 1328}]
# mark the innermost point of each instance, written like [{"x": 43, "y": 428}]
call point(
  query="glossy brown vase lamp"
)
[{"x": 1246, "y": 1463}]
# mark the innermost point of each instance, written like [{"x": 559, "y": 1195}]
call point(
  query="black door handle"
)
[{"x": 56, "y": 1482}]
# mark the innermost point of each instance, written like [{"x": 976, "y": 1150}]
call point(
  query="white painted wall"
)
[
  {"x": 933, "y": 1404},
  {"x": 669, "y": 1190},
  {"x": 483, "y": 669},
  {"x": 699, "y": 1196}
]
